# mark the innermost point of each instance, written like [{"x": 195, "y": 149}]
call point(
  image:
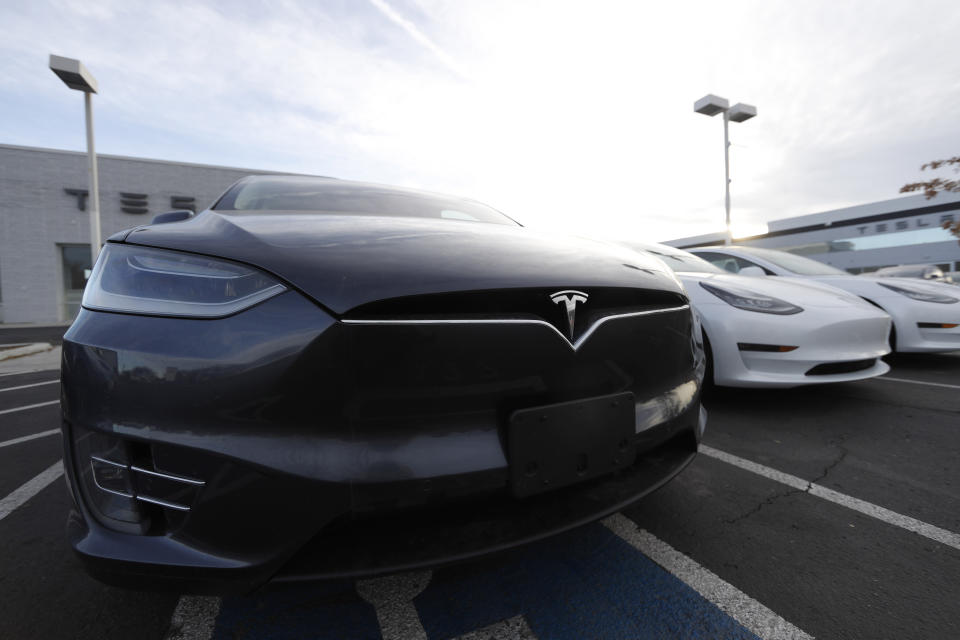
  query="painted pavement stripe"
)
[
  {"x": 29, "y": 406},
  {"x": 27, "y": 386},
  {"x": 193, "y": 618},
  {"x": 867, "y": 508},
  {"x": 392, "y": 599},
  {"x": 929, "y": 384},
  {"x": 25, "y": 371},
  {"x": 515, "y": 628},
  {"x": 32, "y": 436},
  {"x": 30, "y": 488},
  {"x": 738, "y": 605}
]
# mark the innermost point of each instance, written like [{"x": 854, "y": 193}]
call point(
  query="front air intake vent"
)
[
  {"x": 848, "y": 366},
  {"x": 590, "y": 305}
]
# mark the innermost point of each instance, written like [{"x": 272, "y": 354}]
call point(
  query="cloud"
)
[
  {"x": 418, "y": 35},
  {"x": 564, "y": 117}
]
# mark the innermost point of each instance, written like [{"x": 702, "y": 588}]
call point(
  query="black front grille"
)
[
  {"x": 848, "y": 366},
  {"x": 520, "y": 304}
]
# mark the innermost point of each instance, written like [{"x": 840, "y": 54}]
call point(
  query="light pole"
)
[
  {"x": 711, "y": 105},
  {"x": 76, "y": 76}
]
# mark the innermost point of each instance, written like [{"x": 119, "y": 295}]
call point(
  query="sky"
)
[{"x": 570, "y": 116}]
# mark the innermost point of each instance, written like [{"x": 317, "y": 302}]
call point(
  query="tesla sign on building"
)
[{"x": 45, "y": 232}]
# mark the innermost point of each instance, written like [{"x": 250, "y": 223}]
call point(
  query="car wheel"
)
[{"x": 708, "y": 379}]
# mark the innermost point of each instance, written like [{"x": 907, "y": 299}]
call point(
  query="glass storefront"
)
[
  {"x": 76, "y": 262},
  {"x": 877, "y": 241}
]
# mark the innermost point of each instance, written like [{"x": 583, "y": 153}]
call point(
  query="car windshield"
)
[
  {"x": 796, "y": 264},
  {"x": 678, "y": 260},
  {"x": 326, "y": 195}
]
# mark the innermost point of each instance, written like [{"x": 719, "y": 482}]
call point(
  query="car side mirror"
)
[
  {"x": 172, "y": 216},
  {"x": 751, "y": 271}
]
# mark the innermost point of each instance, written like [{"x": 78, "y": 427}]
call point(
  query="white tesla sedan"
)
[
  {"x": 766, "y": 332},
  {"x": 926, "y": 316}
]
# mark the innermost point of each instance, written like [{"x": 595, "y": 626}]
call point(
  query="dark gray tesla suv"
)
[{"x": 317, "y": 378}]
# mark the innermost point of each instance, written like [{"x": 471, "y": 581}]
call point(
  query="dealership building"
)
[
  {"x": 45, "y": 223},
  {"x": 45, "y": 229},
  {"x": 865, "y": 237}
]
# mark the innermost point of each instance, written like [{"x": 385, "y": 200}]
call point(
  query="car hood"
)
[
  {"x": 861, "y": 283},
  {"x": 805, "y": 293},
  {"x": 343, "y": 261},
  {"x": 917, "y": 283}
]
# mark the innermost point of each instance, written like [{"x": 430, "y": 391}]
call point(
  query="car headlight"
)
[
  {"x": 157, "y": 282},
  {"x": 751, "y": 300},
  {"x": 916, "y": 294}
]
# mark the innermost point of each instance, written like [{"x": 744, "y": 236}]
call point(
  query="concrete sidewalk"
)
[{"x": 44, "y": 361}]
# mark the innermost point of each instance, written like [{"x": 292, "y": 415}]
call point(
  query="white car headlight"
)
[
  {"x": 751, "y": 301},
  {"x": 916, "y": 294},
  {"x": 157, "y": 282}
]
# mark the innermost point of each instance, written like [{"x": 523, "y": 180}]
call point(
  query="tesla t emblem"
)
[{"x": 571, "y": 299}]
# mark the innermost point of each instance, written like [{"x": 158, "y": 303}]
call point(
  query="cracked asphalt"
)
[
  {"x": 807, "y": 486},
  {"x": 832, "y": 571}
]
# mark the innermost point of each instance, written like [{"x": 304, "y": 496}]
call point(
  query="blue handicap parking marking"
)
[
  {"x": 587, "y": 583},
  {"x": 322, "y": 610}
]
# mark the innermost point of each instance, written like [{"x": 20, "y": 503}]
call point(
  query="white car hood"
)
[
  {"x": 862, "y": 284},
  {"x": 805, "y": 293}
]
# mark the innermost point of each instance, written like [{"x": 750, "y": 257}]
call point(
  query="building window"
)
[
  {"x": 881, "y": 240},
  {"x": 75, "y": 259}
]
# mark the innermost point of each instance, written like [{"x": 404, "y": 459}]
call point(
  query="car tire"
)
[{"x": 708, "y": 374}]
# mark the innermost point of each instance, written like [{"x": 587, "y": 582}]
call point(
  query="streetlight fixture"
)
[
  {"x": 76, "y": 76},
  {"x": 711, "y": 105}
]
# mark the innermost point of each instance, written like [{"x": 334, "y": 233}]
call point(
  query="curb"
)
[{"x": 24, "y": 350}]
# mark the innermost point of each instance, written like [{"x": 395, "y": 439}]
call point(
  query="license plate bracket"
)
[{"x": 556, "y": 445}]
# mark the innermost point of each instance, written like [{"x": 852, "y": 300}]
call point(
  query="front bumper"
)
[
  {"x": 914, "y": 333},
  {"x": 312, "y": 436}
]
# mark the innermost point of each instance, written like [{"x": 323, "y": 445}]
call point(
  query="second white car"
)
[
  {"x": 926, "y": 315},
  {"x": 770, "y": 332}
]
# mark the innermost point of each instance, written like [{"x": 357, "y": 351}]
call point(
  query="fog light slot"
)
[
  {"x": 117, "y": 483},
  {"x": 112, "y": 477},
  {"x": 166, "y": 490},
  {"x": 770, "y": 348}
]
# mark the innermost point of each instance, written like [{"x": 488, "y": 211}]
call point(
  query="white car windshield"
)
[
  {"x": 677, "y": 260},
  {"x": 794, "y": 263}
]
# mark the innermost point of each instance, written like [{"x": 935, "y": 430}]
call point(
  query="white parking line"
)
[
  {"x": 27, "y": 386},
  {"x": 25, "y": 371},
  {"x": 875, "y": 511},
  {"x": 392, "y": 599},
  {"x": 930, "y": 384},
  {"x": 748, "y": 612},
  {"x": 515, "y": 628},
  {"x": 32, "y": 436},
  {"x": 194, "y": 618},
  {"x": 29, "y": 406},
  {"x": 391, "y": 596},
  {"x": 30, "y": 488}
]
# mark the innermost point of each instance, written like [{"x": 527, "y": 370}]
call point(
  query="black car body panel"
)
[
  {"x": 374, "y": 395},
  {"x": 344, "y": 261}
]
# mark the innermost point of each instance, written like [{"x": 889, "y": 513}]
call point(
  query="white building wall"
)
[
  {"x": 37, "y": 217},
  {"x": 847, "y": 238}
]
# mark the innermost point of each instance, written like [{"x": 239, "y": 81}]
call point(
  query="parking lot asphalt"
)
[{"x": 829, "y": 511}]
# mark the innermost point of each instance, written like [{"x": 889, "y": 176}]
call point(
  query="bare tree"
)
[{"x": 932, "y": 187}]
